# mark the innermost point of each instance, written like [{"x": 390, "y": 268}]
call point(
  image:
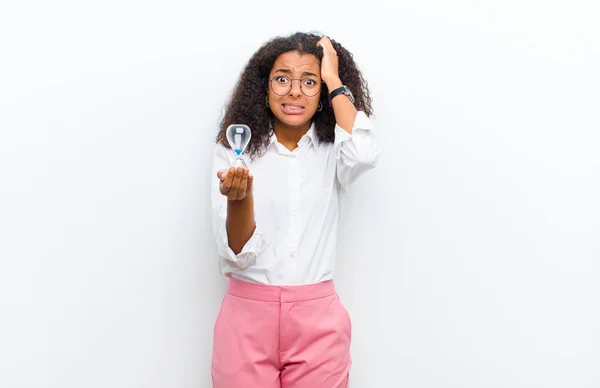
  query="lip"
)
[{"x": 292, "y": 111}]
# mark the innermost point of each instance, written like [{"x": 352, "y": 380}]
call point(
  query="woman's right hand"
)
[{"x": 236, "y": 183}]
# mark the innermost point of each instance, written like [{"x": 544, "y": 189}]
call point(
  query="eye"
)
[
  {"x": 282, "y": 79},
  {"x": 309, "y": 82}
]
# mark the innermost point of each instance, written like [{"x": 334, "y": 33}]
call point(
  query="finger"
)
[
  {"x": 243, "y": 187},
  {"x": 323, "y": 46},
  {"x": 250, "y": 186},
  {"x": 235, "y": 186},
  {"x": 243, "y": 184},
  {"x": 325, "y": 42},
  {"x": 221, "y": 174},
  {"x": 228, "y": 182},
  {"x": 331, "y": 49}
]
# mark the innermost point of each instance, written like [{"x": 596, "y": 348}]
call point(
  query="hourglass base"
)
[{"x": 239, "y": 162}]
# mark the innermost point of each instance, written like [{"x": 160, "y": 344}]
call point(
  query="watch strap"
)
[{"x": 336, "y": 92}]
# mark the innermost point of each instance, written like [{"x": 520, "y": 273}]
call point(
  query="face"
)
[{"x": 293, "y": 108}]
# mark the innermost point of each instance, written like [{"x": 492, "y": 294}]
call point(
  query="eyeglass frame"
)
[{"x": 321, "y": 82}]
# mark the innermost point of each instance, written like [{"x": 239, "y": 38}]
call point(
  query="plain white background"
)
[{"x": 469, "y": 257}]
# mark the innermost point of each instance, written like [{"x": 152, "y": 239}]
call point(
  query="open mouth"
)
[{"x": 292, "y": 109}]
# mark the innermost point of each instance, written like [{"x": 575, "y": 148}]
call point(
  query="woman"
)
[{"x": 281, "y": 322}]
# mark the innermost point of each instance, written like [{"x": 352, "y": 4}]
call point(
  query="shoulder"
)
[{"x": 222, "y": 155}]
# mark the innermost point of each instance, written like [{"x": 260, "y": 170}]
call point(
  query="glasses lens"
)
[
  {"x": 281, "y": 85},
  {"x": 310, "y": 87}
]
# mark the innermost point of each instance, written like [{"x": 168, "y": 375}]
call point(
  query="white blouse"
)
[{"x": 296, "y": 205}]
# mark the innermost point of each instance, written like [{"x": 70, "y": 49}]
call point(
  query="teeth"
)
[{"x": 292, "y": 107}]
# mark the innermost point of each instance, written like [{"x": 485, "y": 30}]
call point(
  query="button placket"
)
[{"x": 294, "y": 210}]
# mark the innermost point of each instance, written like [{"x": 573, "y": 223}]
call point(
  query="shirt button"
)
[{"x": 291, "y": 255}]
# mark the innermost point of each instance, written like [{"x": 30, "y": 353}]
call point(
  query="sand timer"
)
[{"x": 238, "y": 136}]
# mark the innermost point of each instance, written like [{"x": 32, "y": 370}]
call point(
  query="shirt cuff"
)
[
  {"x": 361, "y": 133},
  {"x": 246, "y": 257}
]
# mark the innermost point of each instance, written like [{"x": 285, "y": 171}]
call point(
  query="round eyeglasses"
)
[{"x": 282, "y": 85}]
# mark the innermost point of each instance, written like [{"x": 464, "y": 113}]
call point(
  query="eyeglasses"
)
[{"x": 282, "y": 85}]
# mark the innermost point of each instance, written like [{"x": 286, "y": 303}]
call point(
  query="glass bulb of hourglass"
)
[{"x": 238, "y": 136}]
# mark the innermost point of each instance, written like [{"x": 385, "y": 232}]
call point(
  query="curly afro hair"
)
[{"x": 247, "y": 103}]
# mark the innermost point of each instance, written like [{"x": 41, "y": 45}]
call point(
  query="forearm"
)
[
  {"x": 343, "y": 109},
  {"x": 240, "y": 222}
]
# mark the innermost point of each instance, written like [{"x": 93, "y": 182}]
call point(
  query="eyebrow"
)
[{"x": 288, "y": 71}]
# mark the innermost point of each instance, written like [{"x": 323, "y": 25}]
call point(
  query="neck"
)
[{"x": 289, "y": 136}]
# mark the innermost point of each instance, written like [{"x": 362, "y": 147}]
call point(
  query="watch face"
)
[{"x": 349, "y": 94}]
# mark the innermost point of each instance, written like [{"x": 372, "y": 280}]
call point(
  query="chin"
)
[{"x": 295, "y": 121}]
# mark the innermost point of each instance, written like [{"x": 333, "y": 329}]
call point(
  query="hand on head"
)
[{"x": 329, "y": 63}]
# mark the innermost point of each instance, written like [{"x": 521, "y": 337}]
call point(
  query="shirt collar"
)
[{"x": 311, "y": 134}]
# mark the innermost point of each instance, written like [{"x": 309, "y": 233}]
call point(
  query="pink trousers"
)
[{"x": 281, "y": 337}]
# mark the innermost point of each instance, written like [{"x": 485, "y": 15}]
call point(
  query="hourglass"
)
[{"x": 238, "y": 136}]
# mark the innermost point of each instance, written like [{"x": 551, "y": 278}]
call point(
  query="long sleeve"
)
[
  {"x": 355, "y": 153},
  {"x": 230, "y": 262}
]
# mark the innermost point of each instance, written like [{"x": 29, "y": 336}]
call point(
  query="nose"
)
[{"x": 296, "y": 89}]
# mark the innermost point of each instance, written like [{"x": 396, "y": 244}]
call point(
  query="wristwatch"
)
[{"x": 341, "y": 90}]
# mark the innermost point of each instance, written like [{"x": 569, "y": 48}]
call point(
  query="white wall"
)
[{"x": 469, "y": 258}]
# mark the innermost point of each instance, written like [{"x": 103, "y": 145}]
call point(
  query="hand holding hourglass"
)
[{"x": 236, "y": 183}]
